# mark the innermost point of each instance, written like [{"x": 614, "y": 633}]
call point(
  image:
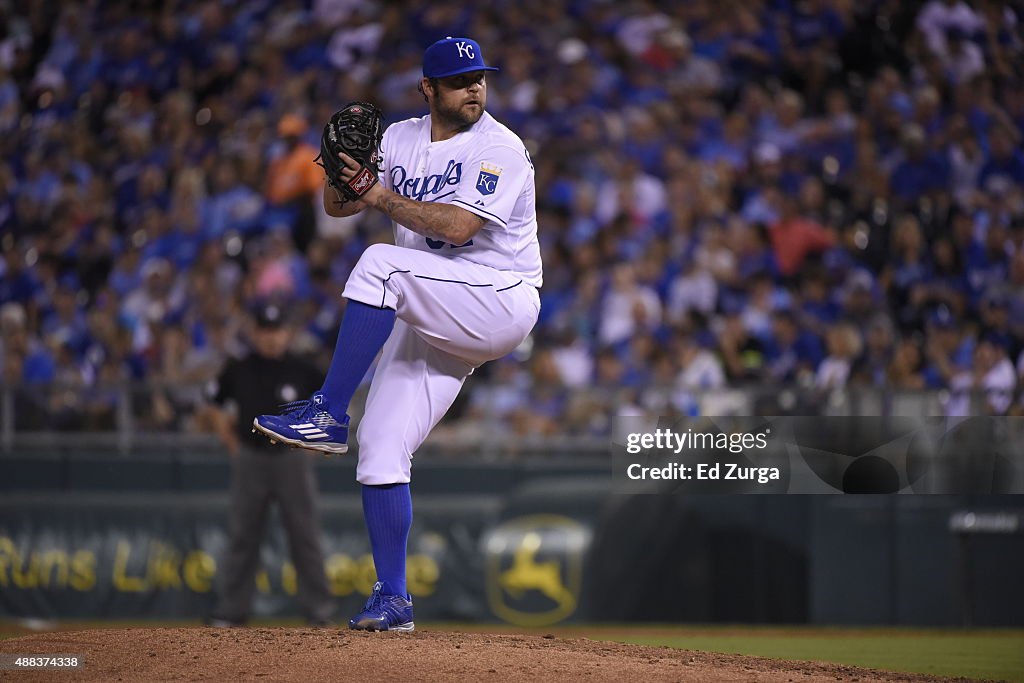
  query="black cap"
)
[{"x": 270, "y": 317}]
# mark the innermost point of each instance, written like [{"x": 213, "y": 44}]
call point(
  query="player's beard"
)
[{"x": 460, "y": 117}]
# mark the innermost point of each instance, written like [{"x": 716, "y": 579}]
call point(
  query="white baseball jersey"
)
[
  {"x": 485, "y": 170},
  {"x": 458, "y": 306}
]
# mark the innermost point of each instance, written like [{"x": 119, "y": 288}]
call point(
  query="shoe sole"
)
[
  {"x": 331, "y": 449},
  {"x": 401, "y": 628}
]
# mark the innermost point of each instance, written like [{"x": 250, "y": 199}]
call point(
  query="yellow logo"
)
[{"x": 535, "y": 569}]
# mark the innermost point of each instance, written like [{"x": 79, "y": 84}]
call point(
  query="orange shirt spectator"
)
[
  {"x": 794, "y": 237},
  {"x": 294, "y": 174}
]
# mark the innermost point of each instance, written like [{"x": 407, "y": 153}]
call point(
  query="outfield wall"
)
[{"x": 529, "y": 543}]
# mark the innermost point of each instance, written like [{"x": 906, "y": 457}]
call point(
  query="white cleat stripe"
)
[
  {"x": 305, "y": 425},
  {"x": 317, "y": 436}
]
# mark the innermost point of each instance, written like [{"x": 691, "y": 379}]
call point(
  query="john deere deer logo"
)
[{"x": 534, "y": 569}]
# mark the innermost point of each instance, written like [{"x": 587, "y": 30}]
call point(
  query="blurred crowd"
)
[{"x": 817, "y": 194}]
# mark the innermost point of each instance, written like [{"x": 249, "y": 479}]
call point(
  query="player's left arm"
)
[
  {"x": 443, "y": 222},
  {"x": 437, "y": 221}
]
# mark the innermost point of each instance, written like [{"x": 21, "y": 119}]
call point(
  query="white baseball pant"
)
[{"x": 452, "y": 316}]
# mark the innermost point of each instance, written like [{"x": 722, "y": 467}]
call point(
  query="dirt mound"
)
[{"x": 330, "y": 654}]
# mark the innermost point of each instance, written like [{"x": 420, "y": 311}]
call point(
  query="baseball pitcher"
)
[{"x": 457, "y": 289}]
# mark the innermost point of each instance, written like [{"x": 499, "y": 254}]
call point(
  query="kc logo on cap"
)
[{"x": 452, "y": 56}]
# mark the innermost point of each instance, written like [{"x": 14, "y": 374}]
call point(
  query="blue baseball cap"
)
[{"x": 450, "y": 56}]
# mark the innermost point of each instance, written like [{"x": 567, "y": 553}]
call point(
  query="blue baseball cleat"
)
[
  {"x": 306, "y": 424},
  {"x": 384, "y": 613}
]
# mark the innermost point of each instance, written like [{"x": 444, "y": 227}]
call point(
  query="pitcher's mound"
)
[{"x": 330, "y": 654}]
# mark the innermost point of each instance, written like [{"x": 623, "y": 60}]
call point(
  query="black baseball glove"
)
[{"x": 355, "y": 130}]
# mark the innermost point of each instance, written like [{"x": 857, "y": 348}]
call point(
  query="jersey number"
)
[{"x": 438, "y": 244}]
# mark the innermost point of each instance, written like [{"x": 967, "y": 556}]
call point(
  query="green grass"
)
[{"x": 974, "y": 654}]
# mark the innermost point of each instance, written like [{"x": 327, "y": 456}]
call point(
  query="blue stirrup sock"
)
[
  {"x": 388, "y": 513},
  {"x": 364, "y": 329}
]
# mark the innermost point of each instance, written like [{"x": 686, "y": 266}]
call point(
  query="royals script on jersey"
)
[{"x": 485, "y": 170}]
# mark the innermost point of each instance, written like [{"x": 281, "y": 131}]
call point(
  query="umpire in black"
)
[{"x": 262, "y": 474}]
